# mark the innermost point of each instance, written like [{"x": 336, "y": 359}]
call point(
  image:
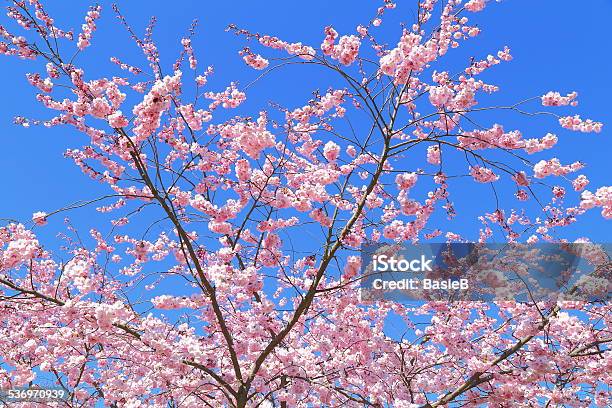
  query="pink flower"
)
[
  {"x": 433, "y": 154},
  {"x": 255, "y": 61},
  {"x": 475, "y": 5},
  {"x": 522, "y": 195},
  {"x": 345, "y": 51},
  {"x": 327, "y": 46},
  {"x": 117, "y": 120},
  {"x": 149, "y": 111},
  {"x": 521, "y": 179},
  {"x": 546, "y": 168},
  {"x": 537, "y": 145},
  {"x": 580, "y": 182},
  {"x": 250, "y": 137},
  {"x": 78, "y": 271},
  {"x": 555, "y": 99},
  {"x": 451, "y": 236},
  {"x": 406, "y": 181},
  {"x": 504, "y": 55},
  {"x": 44, "y": 85},
  {"x": 243, "y": 170},
  {"x": 52, "y": 70},
  {"x": 351, "y": 151},
  {"x": 39, "y": 218},
  {"x": 558, "y": 191},
  {"x": 331, "y": 151},
  {"x": 319, "y": 216},
  {"x": 393, "y": 230},
  {"x": 440, "y": 95},
  {"x": 100, "y": 108},
  {"x": 88, "y": 28},
  {"x": 228, "y": 99},
  {"x": 483, "y": 174},
  {"x": 351, "y": 269},
  {"x": 220, "y": 227},
  {"x": 408, "y": 207},
  {"x": 193, "y": 62},
  {"x": 194, "y": 118},
  {"x": 577, "y": 124},
  {"x": 602, "y": 198}
]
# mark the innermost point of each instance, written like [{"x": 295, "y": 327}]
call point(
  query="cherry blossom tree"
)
[{"x": 220, "y": 308}]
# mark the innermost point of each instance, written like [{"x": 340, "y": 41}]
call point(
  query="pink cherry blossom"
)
[
  {"x": 406, "y": 181},
  {"x": 148, "y": 112},
  {"x": 521, "y": 179},
  {"x": 483, "y": 174},
  {"x": 555, "y": 99},
  {"x": 89, "y": 27},
  {"x": 331, "y": 151},
  {"x": 577, "y": 124},
  {"x": 45, "y": 85},
  {"x": 353, "y": 264},
  {"x": 545, "y": 168},
  {"x": 602, "y": 198},
  {"x": 39, "y": 218},
  {"x": 345, "y": 51},
  {"x": 254, "y": 60},
  {"x": 433, "y": 154},
  {"x": 440, "y": 95},
  {"x": 475, "y": 5},
  {"x": 580, "y": 182},
  {"x": 504, "y": 54},
  {"x": 351, "y": 151},
  {"x": 250, "y": 137},
  {"x": 194, "y": 118},
  {"x": 221, "y": 264},
  {"x": 522, "y": 195},
  {"x": 117, "y": 120}
]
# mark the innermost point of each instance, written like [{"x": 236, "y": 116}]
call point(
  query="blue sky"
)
[{"x": 557, "y": 45}]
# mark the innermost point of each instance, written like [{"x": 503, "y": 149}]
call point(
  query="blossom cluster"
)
[
  {"x": 255, "y": 61},
  {"x": 577, "y": 124},
  {"x": 345, "y": 51},
  {"x": 88, "y": 28},
  {"x": 555, "y": 99},
  {"x": 601, "y": 198},
  {"x": 545, "y": 168},
  {"x": 483, "y": 174}
]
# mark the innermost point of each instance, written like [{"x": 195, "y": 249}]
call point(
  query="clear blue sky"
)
[{"x": 557, "y": 45}]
